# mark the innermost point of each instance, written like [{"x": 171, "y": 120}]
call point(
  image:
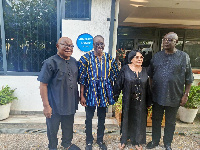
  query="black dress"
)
[{"x": 134, "y": 104}]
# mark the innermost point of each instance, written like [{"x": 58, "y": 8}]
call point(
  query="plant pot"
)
[
  {"x": 187, "y": 115},
  {"x": 4, "y": 111},
  {"x": 118, "y": 116},
  {"x": 196, "y": 71},
  {"x": 149, "y": 120}
]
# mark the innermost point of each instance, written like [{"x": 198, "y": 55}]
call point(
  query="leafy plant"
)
[
  {"x": 149, "y": 112},
  {"x": 118, "y": 104},
  {"x": 193, "y": 98},
  {"x": 6, "y": 95}
]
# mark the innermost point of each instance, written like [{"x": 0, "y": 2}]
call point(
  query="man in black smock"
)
[
  {"x": 59, "y": 93},
  {"x": 170, "y": 71}
]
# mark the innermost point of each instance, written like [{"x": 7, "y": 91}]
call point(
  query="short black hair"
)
[
  {"x": 98, "y": 36},
  {"x": 133, "y": 54}
]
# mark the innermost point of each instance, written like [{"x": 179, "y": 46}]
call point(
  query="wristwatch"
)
[{"x": 187, "y": 94}]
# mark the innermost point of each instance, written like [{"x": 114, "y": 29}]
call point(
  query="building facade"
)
[{"x": 30, "y": 29}]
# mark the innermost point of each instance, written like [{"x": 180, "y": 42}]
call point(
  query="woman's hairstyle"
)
[{"x": 132, "y": 54}]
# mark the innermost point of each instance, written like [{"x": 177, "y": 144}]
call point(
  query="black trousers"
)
[
  {"x": 53, "y": 123},
  {"x": 170, "y": 122},
  {"x": 101, "y": 113}
]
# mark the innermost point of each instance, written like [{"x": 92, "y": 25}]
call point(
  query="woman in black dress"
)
[{"x": 133, "y": 81}]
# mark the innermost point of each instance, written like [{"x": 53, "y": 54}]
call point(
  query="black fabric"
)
[
  {"x": 67, "y": 122},
  {"x": 73, "y": 147},
  {"x": 62, "y": 79},
  {"x": 170, "y": 72},
  {"x": 170, "y": 122},
  {"x": 135, "y": 99},
  {"x": 101, "y": 113}
]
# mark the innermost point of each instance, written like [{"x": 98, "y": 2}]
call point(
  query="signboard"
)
[{"x": 85, "y": 42}]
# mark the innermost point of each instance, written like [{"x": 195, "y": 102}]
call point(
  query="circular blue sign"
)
[{"x": 85, "y": 42}]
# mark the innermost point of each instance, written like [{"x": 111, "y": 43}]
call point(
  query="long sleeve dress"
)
[{"x": 135, "y": 99}]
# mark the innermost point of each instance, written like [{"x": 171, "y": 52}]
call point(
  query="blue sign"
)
[{"x": 85, "y": 42}]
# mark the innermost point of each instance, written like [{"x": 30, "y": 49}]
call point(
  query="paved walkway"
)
[{"x": 24, "y": 132}]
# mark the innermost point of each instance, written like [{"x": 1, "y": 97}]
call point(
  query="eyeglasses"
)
[
  {"x": 138, "y": 57},
  {"x": 71, "y": 46},
  {"x": 98, "y": 44},
  {"x": 168, "y": 40}
]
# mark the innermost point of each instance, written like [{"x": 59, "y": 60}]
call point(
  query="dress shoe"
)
[
  {"x": 168, "y": 147},
  {"x": 102, "y": 145},
  {"x": 88, "y": 146},
  {"x": 152, "y": 144}
]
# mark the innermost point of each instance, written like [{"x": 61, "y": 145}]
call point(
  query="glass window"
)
[
  {"x": 146, "y": 47},
  {"x": 31, "y": 33},
  {"x": 192, "y": 47},
  {"x": 77, "y": 9},
  {"x": 1, "y": 55},
  {"x": 126, "y": 44}
]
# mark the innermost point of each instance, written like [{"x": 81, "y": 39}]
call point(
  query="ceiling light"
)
[
  {"x": 135, "y": 5},
  {"x": 140, "y": 1}
]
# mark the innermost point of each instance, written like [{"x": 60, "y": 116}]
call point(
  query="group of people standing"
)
[{"x": 160, "y": 85}]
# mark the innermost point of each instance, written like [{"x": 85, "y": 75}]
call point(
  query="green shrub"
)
[
  {"x": 193, "y": 98},
  {"x": 118, "y": 104},
  {"x": 6, "y": 95}
]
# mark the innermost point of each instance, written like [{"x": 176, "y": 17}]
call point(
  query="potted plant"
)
[
  {"x": 149, "y": 119},
  {"x": 118, "y": 109},
  {"x": 6, "y": 97},
  {"x": 190, "y": 109}
]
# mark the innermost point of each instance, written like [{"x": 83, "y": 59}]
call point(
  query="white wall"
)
[
  {"x": 27, "y": 91},
  {"x": 28, "y": 94},
  {"x": 98, "y": 25}
]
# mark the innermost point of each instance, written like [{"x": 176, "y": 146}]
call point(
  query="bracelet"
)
[{"x": 187, "y": 94}]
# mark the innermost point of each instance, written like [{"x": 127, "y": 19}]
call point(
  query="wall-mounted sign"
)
[{"x": 85, "y": 42}]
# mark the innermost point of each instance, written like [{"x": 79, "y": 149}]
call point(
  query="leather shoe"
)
[
  {"x": 152, "y": 144},
  {"x": 102, "y": 145},
  {"x": 88, "y": 146},
  {"x": 168, "y": 147}
]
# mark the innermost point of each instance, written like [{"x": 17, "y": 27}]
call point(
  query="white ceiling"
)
[{"x": 160, "y": 13}]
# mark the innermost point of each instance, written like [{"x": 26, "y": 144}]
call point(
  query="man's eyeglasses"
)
[
  {"x": 71, "y": 46},
  {"x": 98, "y": 44},
  {"x": 168, "y": 40},
  {"x": 139, "y": 57}
]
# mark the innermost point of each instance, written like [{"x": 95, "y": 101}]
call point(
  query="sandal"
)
[
  {"x": 138, "y": 147},
  {"x": 121, "y": 146}
]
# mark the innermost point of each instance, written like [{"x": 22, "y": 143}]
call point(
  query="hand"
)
[
  {"x": 83, "y": 101},
  {"x": 184, "y": 100},
  {"x": 47, "y": 111}
]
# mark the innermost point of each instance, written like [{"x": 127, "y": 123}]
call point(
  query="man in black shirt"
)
[
  {"x": 170, "y": 71},
  {"x": 59, "y": 92}
]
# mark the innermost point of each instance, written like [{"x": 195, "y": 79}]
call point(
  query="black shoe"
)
[
  {"x": 73, "y": 147},
  {"x": 152, "y": 144},
  {"x": 88, "y": 146},
  {"x": 102, "y": 145},
  {"x": 168, "y": 147}
]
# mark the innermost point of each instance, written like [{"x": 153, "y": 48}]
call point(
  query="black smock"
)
[
  {"x": 62, "y": 79},
  {"x": 134, "y": 104},
  {"x": 170, "y": 73}
]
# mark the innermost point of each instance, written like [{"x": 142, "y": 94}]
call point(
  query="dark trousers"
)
[
  {"x": 170, "y": 122},
  {"x": 101, "y": 113},
  {"x": 53, "y": 123}
]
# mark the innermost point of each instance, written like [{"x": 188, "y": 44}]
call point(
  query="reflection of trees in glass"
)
[
  {"x": 31, "y": 33},
  {"x": 179, "y": 45},
  {"x": 126, "y": 44},
  {"x": 192, "y": 48}
]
